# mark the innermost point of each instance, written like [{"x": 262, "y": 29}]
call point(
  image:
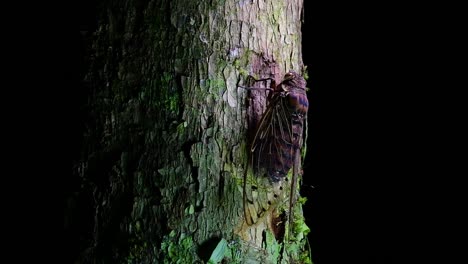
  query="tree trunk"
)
[{"x": 165, "y": 146}]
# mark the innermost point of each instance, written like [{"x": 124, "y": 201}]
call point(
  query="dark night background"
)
[
  {"x": 376, "y": 118},
  {"x": 372, "y": 117},
  {"x": 354, "y": 162},
  {"x": 355, "y": 149}
]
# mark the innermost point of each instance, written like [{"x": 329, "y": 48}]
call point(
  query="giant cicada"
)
[{"x": 275, "y": 148}]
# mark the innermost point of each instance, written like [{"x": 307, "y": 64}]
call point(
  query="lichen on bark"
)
[{"x": 166, "y": 140}]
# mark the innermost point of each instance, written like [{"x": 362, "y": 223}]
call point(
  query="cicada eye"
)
[{"x": 289, "y": 76}]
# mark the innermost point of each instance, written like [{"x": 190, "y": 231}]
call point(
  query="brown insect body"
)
[
  {"x": 279, "y": 133},
  {"x": 276, "y": 145}
]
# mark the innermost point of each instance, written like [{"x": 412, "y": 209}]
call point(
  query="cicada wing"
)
[{"x": 272, "y": 157}]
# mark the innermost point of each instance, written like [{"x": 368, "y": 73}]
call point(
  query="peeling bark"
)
[{"x": 166, "y": 139}]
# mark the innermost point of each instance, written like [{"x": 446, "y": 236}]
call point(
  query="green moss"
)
[
  {"x": 241, "y": 63},
  {"x": 178, "y": 249},
  {"x": 216, "y": 87},
  {"x": 242, "y": 71},
  {"x": 216, "y": 4},
  {"x": 138, "y": 251},
  {"x": 300, "y": 228},
  {"x": 217, "y": 83},
  {"x": 172, "y": 102},
  {"x": 181, "y": 128},
  {"x": 137, "y": 226},
  {"x": 302, "y": 200},
  {"x": 163, "y": 95},
  {"x": 305, "y": 257},
  {"x": 305, "y": 73},
  {"x": 222, "y": 64},
  {"x": 276, "y": 16}
]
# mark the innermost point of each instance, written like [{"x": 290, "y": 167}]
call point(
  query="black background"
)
[
  {"x": 375, "y": 120},
  {"x": 355, "y": 149}
]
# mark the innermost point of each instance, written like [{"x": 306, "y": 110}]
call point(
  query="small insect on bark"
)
[{"x": 276, "y": 147}]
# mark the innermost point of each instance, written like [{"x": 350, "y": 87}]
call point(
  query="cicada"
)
[{"x": 276, "y": 148}]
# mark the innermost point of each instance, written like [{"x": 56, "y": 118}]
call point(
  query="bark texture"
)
[{"x": 165, "y": 143}]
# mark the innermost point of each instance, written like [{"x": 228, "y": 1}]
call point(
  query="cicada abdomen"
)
[{"x": 275, "y": 148}]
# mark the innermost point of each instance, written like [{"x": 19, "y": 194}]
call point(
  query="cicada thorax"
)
[{"x": 274, "y": 148}]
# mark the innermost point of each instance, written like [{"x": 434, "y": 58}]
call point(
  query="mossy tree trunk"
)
[{"x": 165, "y": 144}]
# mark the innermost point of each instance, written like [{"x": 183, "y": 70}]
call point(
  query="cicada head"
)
[{"x": 293, "y": 80}]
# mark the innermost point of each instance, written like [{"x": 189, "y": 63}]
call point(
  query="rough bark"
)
[{"x": 165, "y": 144}]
